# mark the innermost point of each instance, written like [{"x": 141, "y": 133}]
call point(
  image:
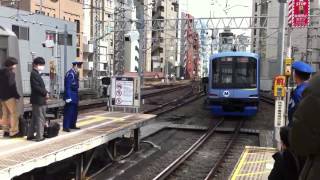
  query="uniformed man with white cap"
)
[{"x": 71, "y": 97}]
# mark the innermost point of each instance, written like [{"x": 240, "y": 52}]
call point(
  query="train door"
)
[{"x": 9, "y": 47}]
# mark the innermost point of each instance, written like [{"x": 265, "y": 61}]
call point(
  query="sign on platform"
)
[
  {"x": 279, "y": 113},
  {"x": 299, "y": 11},
  {"x": 124, "y": 92},
  {"x": 279, "y": 86}
]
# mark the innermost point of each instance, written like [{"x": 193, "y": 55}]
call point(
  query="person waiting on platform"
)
[
  {"x": 71, "y": 97},
  {"x": 38, "y": 99},
  {"x": 302, "y": 72},
  {"x": 9, "y": 97},
  {"x": 304, "y": 136},
  {"x": 286, "y": 164}
]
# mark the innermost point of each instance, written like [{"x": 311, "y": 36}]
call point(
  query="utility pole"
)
[
  {"x": 96, "y": 45},
  {"x": 281, "y": 33},
  {"x": 280, "y": 102},
  {"x": 119, "y": 42},
  {"x": 166, "y": 64},
  {"x": 212, "y": 37}
]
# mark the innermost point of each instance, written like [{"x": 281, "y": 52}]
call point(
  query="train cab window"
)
[{"x": 234, "y": 72}]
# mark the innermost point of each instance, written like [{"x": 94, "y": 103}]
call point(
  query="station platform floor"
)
[
  {"x": 255, "y": 163},
  {"x": 18, "y": 156}
]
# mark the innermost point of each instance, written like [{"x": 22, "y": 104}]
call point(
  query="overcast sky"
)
[
  {"x": 202, "y": 8},
  {"x": 218, "y": 8}
]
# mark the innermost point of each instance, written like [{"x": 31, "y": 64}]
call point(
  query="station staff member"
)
[
  {"x": 302, "y": 72},
  {"x": 71, "y": 97}
]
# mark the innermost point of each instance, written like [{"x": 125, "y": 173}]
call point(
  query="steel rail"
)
[
  {"x": 268, "y": 100},
  {"x": 175, "y": 164},
  {"x": 214, "y": 169}
]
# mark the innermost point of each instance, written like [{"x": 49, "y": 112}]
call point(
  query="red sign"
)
[{"x": 300, "y": 13}]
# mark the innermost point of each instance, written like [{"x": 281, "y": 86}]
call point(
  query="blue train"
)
[{"x": 233, "y": 84}]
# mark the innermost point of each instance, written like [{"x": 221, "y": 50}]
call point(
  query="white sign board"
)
[
  {"x": 124, "y": 92},
  {"x": 279, "y": 119}
]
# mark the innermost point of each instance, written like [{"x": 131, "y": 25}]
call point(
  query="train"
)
[
  {"x": 9, "y": 44},
  {"x": 233, "y": 84}
]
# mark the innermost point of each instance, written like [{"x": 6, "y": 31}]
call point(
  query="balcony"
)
[
  {"x": 88, "y": 47},
  {"x": 85, "y": 66}
]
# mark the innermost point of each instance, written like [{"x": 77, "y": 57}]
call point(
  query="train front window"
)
[{"x": 234, "y": 72}]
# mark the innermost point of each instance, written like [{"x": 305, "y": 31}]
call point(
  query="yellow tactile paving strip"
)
[{"x": 255, "y": 163}]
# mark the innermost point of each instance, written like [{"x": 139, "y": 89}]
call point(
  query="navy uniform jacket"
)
[
  {"x": 295, "y": 99},
  {"x": 71, "y": 86}
]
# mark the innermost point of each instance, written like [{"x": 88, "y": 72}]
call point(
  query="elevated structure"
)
[{"x": 20, "y": 156}]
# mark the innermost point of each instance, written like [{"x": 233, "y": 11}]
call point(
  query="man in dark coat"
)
[
  {"x": 9, "y": 97},
  {"x": 38, "y": 99},
  {"x": 286, "y": 165},
  {"x": 305, "y": 132}
]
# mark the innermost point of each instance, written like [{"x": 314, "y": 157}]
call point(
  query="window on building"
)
[
  {"x": 78, "y": 40},
  {"x": 39, "y": 12},
  {"x": 105, "y": 66},
  {"x": 21, "y": 32},
  {"x": 78, "y": 52},
  {"x": 77, "y": 25},
  {"x": 48, "y": 14},
  {"x": 61, "y": 39}
]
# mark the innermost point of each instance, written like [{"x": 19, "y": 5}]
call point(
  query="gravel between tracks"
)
[{"x": 175, "y": 142}]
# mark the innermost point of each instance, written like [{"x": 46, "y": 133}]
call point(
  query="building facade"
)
[
  {"x": 165, "y": 37},
  {"x": 190, "y": 47},
  {"x": 104, "y": 34}
]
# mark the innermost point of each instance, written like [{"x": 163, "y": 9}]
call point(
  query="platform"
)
[
  {"x": 18, "y": 156},
  {"x": 255, "y": 163}
]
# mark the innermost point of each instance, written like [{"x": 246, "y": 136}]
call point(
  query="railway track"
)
[
  {"x": 267, "y": 99},
  {"x": 188, "y": 163}
]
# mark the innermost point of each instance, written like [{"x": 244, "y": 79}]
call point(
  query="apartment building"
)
[
  {"x": 165, "y": 37},
  {"x": 190, "y": 47},
  {"x": 104, "y": 21}
]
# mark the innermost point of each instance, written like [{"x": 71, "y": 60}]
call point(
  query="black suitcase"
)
[
  {"x": 23, "y": 126},
  {"x": 51, "y": 130}
]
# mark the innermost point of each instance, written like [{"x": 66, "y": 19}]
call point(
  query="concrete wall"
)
[{"x": 37, "y": 35}]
